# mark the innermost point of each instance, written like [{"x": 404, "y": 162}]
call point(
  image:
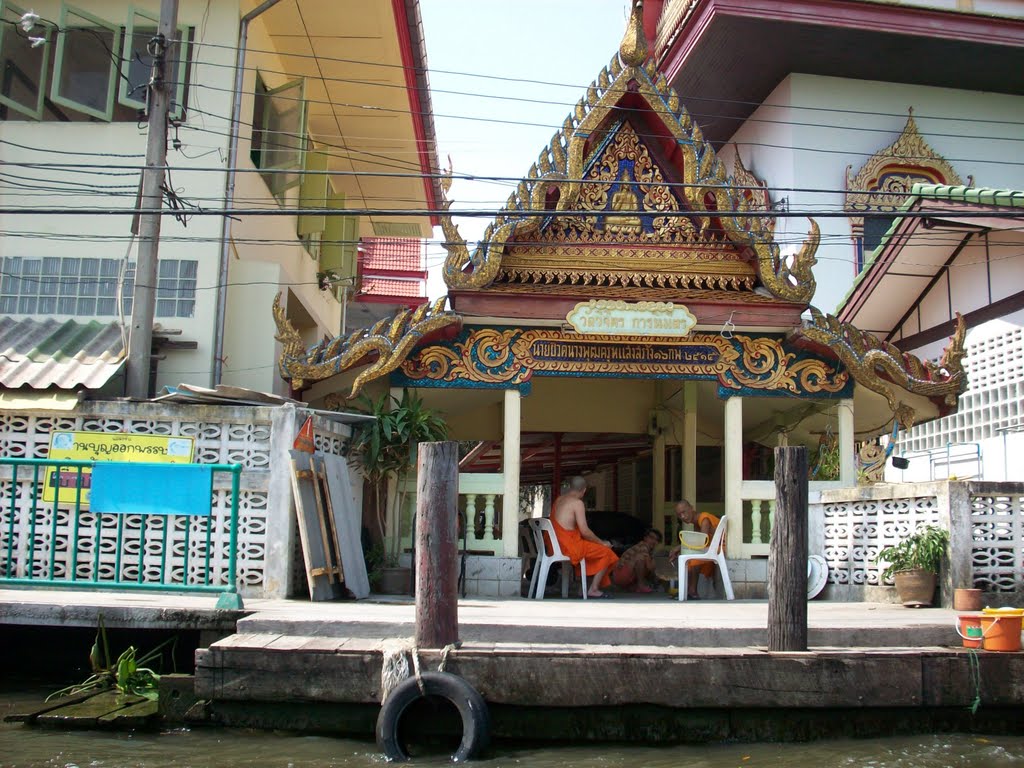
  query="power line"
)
[
  {"x": 583, "y": 88},
  {"x": 130, "y": 170},
  {"x": 696, "y": 115},
  {"x": 502, "y": 121},
  {"x": 490, "y": 213}
]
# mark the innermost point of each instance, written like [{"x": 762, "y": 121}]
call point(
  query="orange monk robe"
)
[
  {"x": 576, "y": 548},
  {"x": 703, "y": 567}
]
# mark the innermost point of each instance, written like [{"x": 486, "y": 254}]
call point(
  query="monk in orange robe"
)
[
  {"x": 578, "y": 542},
  {"x": 706, "y": 523}
]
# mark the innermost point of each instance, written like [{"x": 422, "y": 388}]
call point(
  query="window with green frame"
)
[
  {"x": 86, "y": 68},
  {"x": 279, "y": 137},
  {"x": 25, "y": 64}
]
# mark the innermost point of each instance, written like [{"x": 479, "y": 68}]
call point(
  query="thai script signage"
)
[
  {"x": 580, "y": 354},
  {"x": 650, "y": 318},
  {"x": 502, "y": 357},
  {"x": 105, "y": 446}
]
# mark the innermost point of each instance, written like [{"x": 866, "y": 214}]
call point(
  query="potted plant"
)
[
  {"x": 914, "y": 564},
  {"x": 385, "y": 450}
]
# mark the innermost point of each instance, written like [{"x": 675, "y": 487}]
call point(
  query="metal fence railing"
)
[{"x": 141, "y": 535}]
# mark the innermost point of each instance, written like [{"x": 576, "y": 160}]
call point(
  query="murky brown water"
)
[{"x": 23, "y": 747}]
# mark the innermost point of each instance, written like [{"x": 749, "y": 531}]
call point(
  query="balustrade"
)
[{"x": 480, "y": 501}]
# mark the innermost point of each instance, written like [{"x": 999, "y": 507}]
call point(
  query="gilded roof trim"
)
[
  {"x": 560, "y": 167},
  {"x": 385, "y": 346},
  {"x": 893, "y": 171}
]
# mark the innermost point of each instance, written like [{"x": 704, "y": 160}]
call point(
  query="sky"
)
[{"x": 562, "y": 43}]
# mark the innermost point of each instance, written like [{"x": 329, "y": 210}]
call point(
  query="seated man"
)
[
  {"x": 635, "y": 568},
  {"x": 706, "y": 523},
  {"x": 578, "y": 542}
]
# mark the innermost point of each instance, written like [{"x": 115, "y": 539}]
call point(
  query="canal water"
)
[{"x": 25, "y": 747}]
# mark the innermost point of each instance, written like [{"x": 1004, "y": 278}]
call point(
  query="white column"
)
[
  {"x": 658, "y": 460},
  {"x": 847, "y": 447},
  {"x": 732, "y": 454},
  {"x": 510, "y": 466},
  {"x": 689, "y": 451}
]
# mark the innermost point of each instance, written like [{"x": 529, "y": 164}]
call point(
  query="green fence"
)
[{"x": 50, "y": 538}]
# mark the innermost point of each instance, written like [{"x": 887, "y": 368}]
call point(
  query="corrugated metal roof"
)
[{"x": 54, "y": 353}]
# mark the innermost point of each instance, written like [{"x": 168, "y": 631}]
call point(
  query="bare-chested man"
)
[{"x": 578, "y": 542}]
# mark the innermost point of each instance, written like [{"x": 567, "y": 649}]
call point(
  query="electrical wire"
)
[
  {"x": 577, "y": 88},
  {"x": 699, "y": 116}
]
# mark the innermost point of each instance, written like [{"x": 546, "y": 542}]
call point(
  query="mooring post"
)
[
  {"x": 437, "y": 574},
  {"x": 787, "y": 554}
]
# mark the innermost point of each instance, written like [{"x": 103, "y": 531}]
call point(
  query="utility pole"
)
[{"x": 140, "y": 340}]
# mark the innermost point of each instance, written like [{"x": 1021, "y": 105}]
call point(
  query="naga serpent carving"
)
[
  {"x": 387, "y": 344},
  {"x": 873, "y": 362}
]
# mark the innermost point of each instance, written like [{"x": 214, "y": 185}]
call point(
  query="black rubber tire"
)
[{"x": 476, "y": 718}]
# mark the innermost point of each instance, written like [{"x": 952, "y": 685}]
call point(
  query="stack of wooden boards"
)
[{"x": 329, "y": 526}]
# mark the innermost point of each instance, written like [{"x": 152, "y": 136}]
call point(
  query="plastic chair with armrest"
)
[
  {"x": 715, "y": 553},
  {"x": 549, "y": 553}
]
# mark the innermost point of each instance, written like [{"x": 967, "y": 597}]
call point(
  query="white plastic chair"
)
[
  {"x": 713, "y": 552},
  {"x": 544, "y": 561}
]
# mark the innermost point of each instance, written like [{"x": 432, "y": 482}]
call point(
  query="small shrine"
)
[{"x": 629, "y": 315}]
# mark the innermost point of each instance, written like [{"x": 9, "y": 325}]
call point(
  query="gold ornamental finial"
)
[{"x": 633, "y": 48}]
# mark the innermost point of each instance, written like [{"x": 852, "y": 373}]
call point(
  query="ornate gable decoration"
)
[
  {"x": 596, "y": 208},
  {"x": 885, "y": 181}
]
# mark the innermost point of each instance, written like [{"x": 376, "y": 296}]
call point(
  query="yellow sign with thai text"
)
[
  {"x": 106, "y": 446},
  {"x": 620, "y": 318}
]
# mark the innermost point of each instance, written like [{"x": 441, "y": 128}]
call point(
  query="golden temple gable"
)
[{"x": 627, "y": 200}]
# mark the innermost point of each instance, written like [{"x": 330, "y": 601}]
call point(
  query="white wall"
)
[
  {"x": 217, "y": 25},
  {"x": 812, "y": 128},
  {"x": 265, "y": 254}
]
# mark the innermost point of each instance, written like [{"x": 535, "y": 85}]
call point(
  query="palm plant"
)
[{"x": 385, "y": 447}]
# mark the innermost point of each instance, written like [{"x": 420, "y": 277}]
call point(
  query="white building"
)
[
  {"x": 840, "y": 108},
  {"x": 71, "y": 136}
]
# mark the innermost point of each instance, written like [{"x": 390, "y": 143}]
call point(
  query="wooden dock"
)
[
  {"x": 643, "y": 667},
  {"x": 545, "y": 691},
  {"x": 95, "y": 709}
]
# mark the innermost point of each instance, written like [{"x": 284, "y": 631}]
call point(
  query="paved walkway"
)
[{"x": 653, "y": 619}]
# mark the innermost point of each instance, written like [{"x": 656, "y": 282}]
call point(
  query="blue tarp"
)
[{"x": 151, "y": 489}]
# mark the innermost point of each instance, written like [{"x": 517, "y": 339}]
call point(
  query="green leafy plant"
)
[
  {"x": 375, "y": 562},
  {"x": 127, "y": 674},
  {"x": 923, "y": 549},
  {"x": 385, "y": 449},
  {"x": 826, "y": 461}
]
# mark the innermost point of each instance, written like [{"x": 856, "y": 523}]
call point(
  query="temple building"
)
[{"x": 630, "y": 315}]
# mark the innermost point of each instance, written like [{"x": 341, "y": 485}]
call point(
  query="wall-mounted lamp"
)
[{"x": 900, "y": 462}]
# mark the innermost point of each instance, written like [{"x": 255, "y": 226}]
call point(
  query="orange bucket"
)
[
  {"x": 970, "y": 630},
  {"x": 1000, "y": 628}
]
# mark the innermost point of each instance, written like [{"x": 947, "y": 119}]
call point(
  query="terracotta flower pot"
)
[
  {"x": 967, "y": 599},
  {"x": 915, "y": 587}
]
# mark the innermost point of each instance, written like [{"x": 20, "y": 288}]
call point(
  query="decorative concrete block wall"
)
[
  {"x": 258, "y": 438},
  {"x": 985, "y": 521}
]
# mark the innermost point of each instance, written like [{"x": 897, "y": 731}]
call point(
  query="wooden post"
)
[
  {"x": 437, "y": 572},
  {"x": 787, "y": 559}
]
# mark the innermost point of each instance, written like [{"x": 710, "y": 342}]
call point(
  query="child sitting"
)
[{"x": 635, "y": 568}]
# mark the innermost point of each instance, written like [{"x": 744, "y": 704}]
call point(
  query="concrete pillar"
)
[
  {"x": 955, "y": 514},
  {"x": 277, "y": 567},
  {"x": 732, "y": 455},
  {"x": 512, "y": 412}
]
